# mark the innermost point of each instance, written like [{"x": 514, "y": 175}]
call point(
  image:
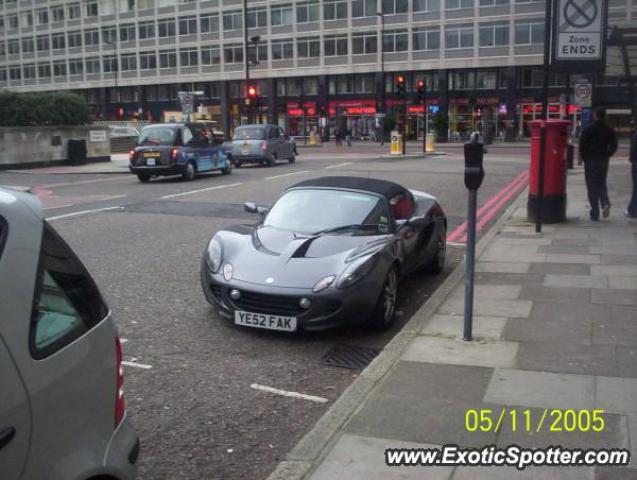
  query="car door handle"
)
[{"x": 6, "y": 436}]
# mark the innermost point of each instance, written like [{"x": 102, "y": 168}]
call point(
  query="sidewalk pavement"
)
[{"x": 556, "y": 327}]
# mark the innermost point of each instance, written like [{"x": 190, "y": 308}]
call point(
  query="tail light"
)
[
  {"x": 131, "y": 156},
  {"x": 264, "y": 145},
  {"x": 120, "y": 403},
  {"x": 174, "y": 153}
]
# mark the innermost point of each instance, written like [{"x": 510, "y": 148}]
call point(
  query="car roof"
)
[{"x": 384, "y": 188}]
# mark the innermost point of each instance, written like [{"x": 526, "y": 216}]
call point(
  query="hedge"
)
[{"x": 50, "y": 108}]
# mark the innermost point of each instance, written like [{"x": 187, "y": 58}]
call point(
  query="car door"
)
[
  {"x": 287, "y": 143},
  {"x": 200, "y": 143}
]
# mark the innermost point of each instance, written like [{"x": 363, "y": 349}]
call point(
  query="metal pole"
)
[
  {"x": 424, "y": 130},
  {"x": 540, "y": 180},
  {"x": 470, "y": 265},
  {"x": 382, "y": 75},
  {"x": 545, "y": 111},
  {"x": 246, "y": 51},
  {"x": 405, "y": 121}
]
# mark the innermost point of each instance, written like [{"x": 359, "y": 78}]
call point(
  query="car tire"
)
[
  {"x": 272, "y": 160},
  {"x": 292, "y": 158},
  {"x": 189, "y": 172},
  {"x": 143, "y": 177},
  {"x": 227, "y": 170},
  {"x": 385, "y": 311},
  {"x": 238, "y": 164},
  {"x": 437, "y": 264}
]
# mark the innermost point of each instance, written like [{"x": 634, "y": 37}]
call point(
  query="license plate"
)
[
  {"x": 262, "y": 320},
  {"x": 150, "y": 162},
  {"x": 151, "y": 154},
  {"x": 245, "y": 151}
]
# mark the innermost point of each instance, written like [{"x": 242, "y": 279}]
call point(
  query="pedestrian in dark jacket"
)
[
  {"x": 631, "y": 209},
  {"x": 598, "y": 143}
]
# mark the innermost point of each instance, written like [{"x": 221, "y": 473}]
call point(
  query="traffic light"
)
[
  {"x": 421, "y": 90},
  {"x": 299, "y": 102},
  {"x": 399, "y": 83},
  {"x": 251, "y": 92}
]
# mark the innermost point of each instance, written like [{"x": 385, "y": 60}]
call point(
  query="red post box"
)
[{"x": 554, "y": 185}]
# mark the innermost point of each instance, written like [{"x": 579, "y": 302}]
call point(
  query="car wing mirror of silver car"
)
[{"x": 252, "y": 207}]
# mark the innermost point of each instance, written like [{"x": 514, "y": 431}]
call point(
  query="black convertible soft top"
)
[{"x": 380, "y": 187}]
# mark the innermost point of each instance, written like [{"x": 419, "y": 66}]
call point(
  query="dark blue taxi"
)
[{"x": 184, "y": 149}]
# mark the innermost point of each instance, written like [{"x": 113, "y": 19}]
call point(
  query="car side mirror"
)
[{"x": 251, "y": 207}]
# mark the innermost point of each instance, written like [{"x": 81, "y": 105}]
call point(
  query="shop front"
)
[
  {"x": 359, "y": 116},
  {"x": 301, "y": 120},
  {"x": 530, "y": 110},
  {"x": 487, "y": 115}
]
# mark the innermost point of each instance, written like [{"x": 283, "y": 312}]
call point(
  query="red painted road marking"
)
[{"x": 492, "y": 204}]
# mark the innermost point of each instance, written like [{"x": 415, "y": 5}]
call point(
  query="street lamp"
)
[
  {"x": 114, "y": 46},
  {"x": 382, "y": 75}
]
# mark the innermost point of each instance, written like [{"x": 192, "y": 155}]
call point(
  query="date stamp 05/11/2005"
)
[{"x": 527, "y": 420}]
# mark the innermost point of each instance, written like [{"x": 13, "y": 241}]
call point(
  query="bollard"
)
[{"x": 473, "y": 174}]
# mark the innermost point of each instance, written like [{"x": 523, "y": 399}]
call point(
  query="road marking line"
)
[
  {"x": 338, "y": 165},
  {"x": 81, "y": 182},
  {"x": 59, "y": 206},
  {"x": 200, "y": 190},
  {"x": 137, "y": 365},
  {"x": 456, "y": 244},
  {"x": 286, "y": 174},
  {"x": 83, "y": 212},
  {"x": 123, "y": 340},
  {"x": 286, "y": 393}
]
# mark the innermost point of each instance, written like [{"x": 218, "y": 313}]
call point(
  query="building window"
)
[
  {"x": 188, "y": 26},
  {"x": 91, "y": 37},
  {"x": 92, "y": 65},
  {"x": 460, "y": 37},
  {"x": 57, "y": 13},
  {"x": 210, "y": 56},
  {"x": 293, "y": 87},
  {"x": 209, "y": 23},
  {"x": 109, "y": 64},
  {"x": 363, "y": 43},
  {"x": 281, "y": 15},
  {"x": 167, "y": 59},
  {"x": 335, "y": 45},
  {"x": 462, "y": 81},
  {"x": 345, "y": 84},
  {"x": 28, "y": 45},
  {"x": 90, "y": 9},
  {"x": 308, "y": 47},
  {"x": 426, "y": 5},
  {"x": 145, "y": 4},
  {"x": 59, "y": 69},
  {"x": 147, "y": 61},
  {"x": 364, "y": 8},
  {"x": 282, "y": 49},
  {"x": 42, "y": 43},
  {"x": 26, "y": 19},
  {"x": 13, "y": 46},
  {"x": 531, "y": 78},
  {"x": 527, "y": 33},
  {"x": 457, "y": 4},
  {"x": 146, "y": 30},
  {"x": 395, "y": 41},
  {"x": 3, "y": 75},
  {"x": 76, "y": 67},
  {"x": 58, "y": 41},
  {"x": 28, "y": 71},
  {"x": 15, "y": 73},
  {"x": 391, "y": 7},
  {"x": 493, "y": 3},
  {"x": 310, "y": 86},
  {"x": 486, "y": 80},
  {"x": 308, "y": 12},
  {"x": 166, "y": 28},
  {"x": 44, "y": 70},
  {"x": 127, "y": 33},
  {"x": 232, "y": 21},
  {"x": 425, "y": 39},
  {"x": 494, "y": 35},
  {"x": 431, "y": 80},
  {"x": 334, "y": 9},
  {"x": 43, "y": 16},
  {"x": 13, "y": 23},
  {"x": 74, "y": 39},
  {"x": 74, "y": 11},
  {"x": 166, "y": 92},
  {"x": 364, "y": 84},
  {"x": 233, "y": 53},
  {"x": 129, "y": 62},
  {"x": 188, "y": 57},
  {"x": 257, "y": 18},
  {"x": 109, "y": 35},
  {"x": 258, "y": 53}
]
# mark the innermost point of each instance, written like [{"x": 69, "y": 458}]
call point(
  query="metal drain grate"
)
[{"x": 349, "y": 356}]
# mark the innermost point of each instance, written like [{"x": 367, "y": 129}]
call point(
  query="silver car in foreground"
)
[
  {"x": 263, "y": 144},
  {"x": 62, "y": 410}
]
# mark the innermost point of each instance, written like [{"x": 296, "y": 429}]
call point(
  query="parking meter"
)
[{"x": 473, "y": 155}]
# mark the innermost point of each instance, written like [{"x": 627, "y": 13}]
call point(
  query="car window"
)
[
  {"x": 66, "y": 302},
  {"x": 199, "y": 133},
  {"x": 157, "y": 135},
  {"x": 186, "y": 135},
  {"x": 313, "y": 210},
  {"x": 281, "y": 132},
  {"x": 274, "y": 133},
  {"x": 249, "y": 134},
  {"x": 3, "y": 234}
]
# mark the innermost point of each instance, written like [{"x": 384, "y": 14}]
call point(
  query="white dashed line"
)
[
  {"x": 137, "y": 365},
  {"x": 286, "y": 175},
  {"x": 338, "y": 165},
  {"x": 83, "y": 212},
  {"x": 285, "y": 393},
  {"x": 200, "y": 190}
]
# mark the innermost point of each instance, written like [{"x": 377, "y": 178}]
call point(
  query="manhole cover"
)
[{"x": 349, "y": 356}]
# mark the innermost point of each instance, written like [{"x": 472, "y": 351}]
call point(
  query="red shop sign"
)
[{"x": 298, "y": 112}]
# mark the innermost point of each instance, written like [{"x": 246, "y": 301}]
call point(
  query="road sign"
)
[
  {"x": 582, "y": 93},
  {"x": 579, "y": 33}
]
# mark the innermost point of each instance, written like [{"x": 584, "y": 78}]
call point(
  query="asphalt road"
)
[{"x": 194, "y": 407}]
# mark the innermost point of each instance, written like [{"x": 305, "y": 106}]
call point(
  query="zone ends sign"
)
[{"x": 579, "y": 31}]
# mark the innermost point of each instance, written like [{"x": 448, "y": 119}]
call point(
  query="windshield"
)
[
  {"x": 157, "y": 135},
  {"x": 249, "y": 134},
  {"x": 313, "y": 210}
]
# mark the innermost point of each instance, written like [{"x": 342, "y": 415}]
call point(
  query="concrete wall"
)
[{"x": 26, "y": 147}]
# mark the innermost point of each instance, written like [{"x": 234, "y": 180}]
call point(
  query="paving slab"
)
[
  {"x": 489, "y": 308},
  {"x": 623, "y": 283},
  {"x": 491, "y": 292},
  {"x": 555, "y": 331},
  {"x": 502, "y": 267},
  {"x": 451, "y": 326},
  {"x": 568, "y": 312},
  {"x": 356, "y": 457},
  {"x": 614, "y": 270},
  {"x": 615, "y": 332},
  {"x": 506, "y": 256},
  {"x": 566, "y": 258},
  {"x": 628, "y": 250},
  {"x": 619, "y": 260},
  {"x": 581, "y": 241},
  {"x": 530, "y": 473},
  {"x": 614, "y": 296},
  {"x": 616, "y": 473},
  {"x": 428, "y": 414},
  {"x": 568, "y": 249},
  {"x": 576, "y": 281},
  {"x": 508, "y": 278},
  {"x": 556, "y": 294},
  {"x": 617, "y": 395},
  {"x": 560, "y": 269},
  {"x": 570, "y": 357},
  {"x": 458, "y": 352},
  {"x": 503, "y": 240},
  {"x": 541, "y": 389},
  {"x": 632, "y": 438}
]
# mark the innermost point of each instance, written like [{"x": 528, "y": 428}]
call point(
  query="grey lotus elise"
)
[{"x": 329, "y": 252}]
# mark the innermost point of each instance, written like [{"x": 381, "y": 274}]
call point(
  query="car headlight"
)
[
  {"x": 355, "y": 272},
  {"x": 323, "y": 283},
  {"x": 228, "y": 271},
  {"x": 214, "y": 252}
]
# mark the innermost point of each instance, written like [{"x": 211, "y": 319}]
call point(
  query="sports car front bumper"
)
[{"x": 330, "y": 308}]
